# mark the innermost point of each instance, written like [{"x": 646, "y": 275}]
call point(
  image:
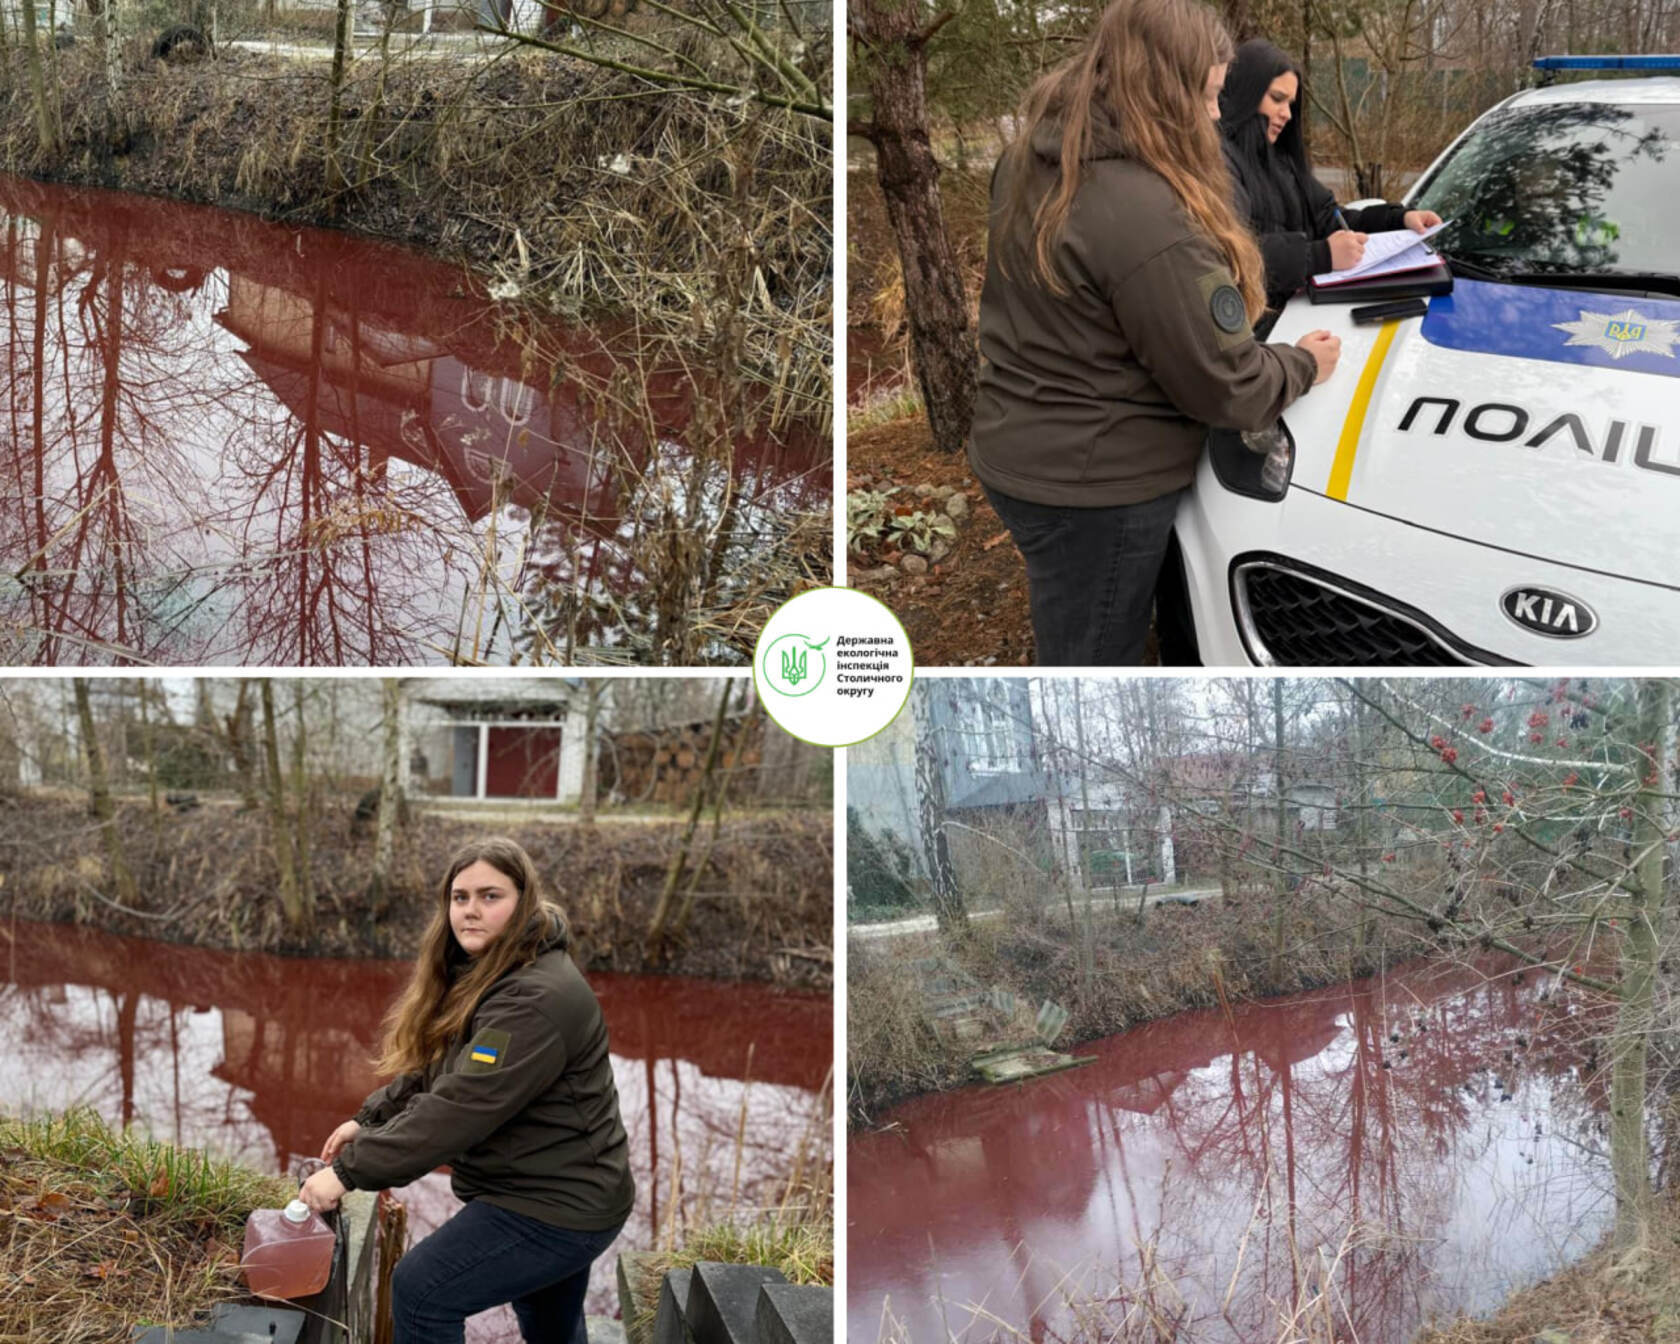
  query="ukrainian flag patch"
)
[{"x": 486, "y": 1051}]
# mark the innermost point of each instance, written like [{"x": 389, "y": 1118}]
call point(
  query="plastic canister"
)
[{"x": 288, "y": 1252}]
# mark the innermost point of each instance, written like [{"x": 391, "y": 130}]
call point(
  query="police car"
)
[{"x": 1497, "y": 481}]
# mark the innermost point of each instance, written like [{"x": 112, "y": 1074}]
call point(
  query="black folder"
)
[{"x": 1419, "y": 284}]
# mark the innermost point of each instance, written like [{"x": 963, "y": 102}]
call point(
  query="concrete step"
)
[
  {"x": 794, "y": 1313},
  {"x": 723, "y": 1300},
  {"x": 670, "y": 1324}
]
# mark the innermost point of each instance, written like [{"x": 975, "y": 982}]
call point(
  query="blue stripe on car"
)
[{"x": 1523, "y": 320}]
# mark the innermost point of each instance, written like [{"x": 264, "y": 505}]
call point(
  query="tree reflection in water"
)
[
  {"x": 261, "y": 1057},
  {"x": 227, "y": 441},
  {"x": 1235, "y": 1149}
]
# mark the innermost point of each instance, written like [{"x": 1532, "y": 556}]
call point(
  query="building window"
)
[{"x": 993, "y": 736}]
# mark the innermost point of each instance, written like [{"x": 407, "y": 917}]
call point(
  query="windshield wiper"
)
[
  {"x": 1471, "y": 270},
  {"x": 1639, "y": 282}
]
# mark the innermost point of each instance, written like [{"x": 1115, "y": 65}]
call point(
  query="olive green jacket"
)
[
  {"x": 522, "y": 1107},
  {"x": 1103, "y": 395}
]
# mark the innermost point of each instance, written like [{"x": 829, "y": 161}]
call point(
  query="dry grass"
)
[
  {"x": 795, "y": 1236},
  {"x": 1175, "y": 958},
  {"x": 581, "y": 189},
  {"x": 763, "y": 905},
  {"x": 104, "y": 1229},
  {"x": 1096, "y": 1303}
]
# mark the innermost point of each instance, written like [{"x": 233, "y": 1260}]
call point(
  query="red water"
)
[
  {"x": 224, "y": 440},
  {"x": 1216, "y": 1143},
  {"x": 261, "y": 1057}
]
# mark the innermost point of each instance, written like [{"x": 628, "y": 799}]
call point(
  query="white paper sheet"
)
[{"x": 1386, "y": 253}]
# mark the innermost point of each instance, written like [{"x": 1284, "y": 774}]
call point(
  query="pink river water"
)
[{"x": 260, "y": 1058}]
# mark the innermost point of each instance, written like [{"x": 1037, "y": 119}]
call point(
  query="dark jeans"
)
[
  {"x": 485, "y": 1256},
  {"x": 1090, "y": 575}
]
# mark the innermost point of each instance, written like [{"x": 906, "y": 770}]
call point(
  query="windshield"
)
[{"x": 1563, "y": 187}]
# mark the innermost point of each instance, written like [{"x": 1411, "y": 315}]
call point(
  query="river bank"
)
[
  {"x": 108, "y": 1229},
  {"x": 1176, "y": 959},
  {"x": 256, "y": 1059},
  {"x": 1630, "y": 1297},
  {"x": 1355, "y": 1161},
  {"x": 575, "y": 188},
  {"x": 762, "y": 906}
]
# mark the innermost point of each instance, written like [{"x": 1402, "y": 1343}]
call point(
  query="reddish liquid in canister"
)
[
  {"x": 225, "y": 440},
  {"x": 283, "y": 1259},
  {"x": 1225, "y": 1152}
]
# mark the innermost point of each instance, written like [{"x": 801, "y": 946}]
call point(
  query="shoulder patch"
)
[
  {"x": 1228, "y": 311},
  {"x": 1225, "y": 306},
  {"x": 486, "y": 1051}
]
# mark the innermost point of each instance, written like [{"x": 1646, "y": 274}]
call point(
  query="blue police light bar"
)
[{"x": 1653, "y": 62}]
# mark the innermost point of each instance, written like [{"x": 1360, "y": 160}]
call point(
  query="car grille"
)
[{"x": 1291, "y": 617}]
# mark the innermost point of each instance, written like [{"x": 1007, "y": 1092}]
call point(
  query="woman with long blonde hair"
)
[
  {"x": 500, "y": 1053},
  {"x": 1116, "y": 322}
]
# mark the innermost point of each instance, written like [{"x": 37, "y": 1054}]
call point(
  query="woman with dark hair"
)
[
  {"x": 503, "y": 1073},
  {"x": 1115, "y": 322},
  {"x": 1300, "y": 229}
]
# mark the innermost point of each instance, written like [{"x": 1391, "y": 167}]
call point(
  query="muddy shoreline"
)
[{"x": 763, "y": 905}]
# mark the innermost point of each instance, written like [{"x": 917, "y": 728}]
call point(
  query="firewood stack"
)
[{"x": 667, "y": 766}]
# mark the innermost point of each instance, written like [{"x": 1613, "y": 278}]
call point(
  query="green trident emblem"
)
[{"x": 794, "y": 665}]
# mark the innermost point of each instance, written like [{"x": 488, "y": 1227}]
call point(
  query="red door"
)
[{"x": 524, "y": 763}]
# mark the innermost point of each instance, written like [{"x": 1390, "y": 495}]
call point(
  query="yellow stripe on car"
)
[{"x": 1341, "y": 470}]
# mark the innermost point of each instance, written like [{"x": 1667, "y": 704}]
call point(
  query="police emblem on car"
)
[
  {"x": 1549, "y": 612},
  {"x": 1625, "y": 333}
]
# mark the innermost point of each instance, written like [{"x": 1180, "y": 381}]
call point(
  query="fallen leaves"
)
[{"x": 47, "y": 1208}]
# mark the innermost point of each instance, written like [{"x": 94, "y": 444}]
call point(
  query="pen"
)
[{"x": 1341, "y": 219}]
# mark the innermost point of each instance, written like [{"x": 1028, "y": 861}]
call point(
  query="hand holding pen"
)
[{"x": 1346, "y": 246}]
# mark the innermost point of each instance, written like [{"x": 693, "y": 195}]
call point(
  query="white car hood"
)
[{"x": 1543, "y": 422}]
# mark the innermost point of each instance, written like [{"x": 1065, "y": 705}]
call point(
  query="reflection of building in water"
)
[
  {"x": 241, "y": 442},
  {"x": 261, "y": 1057},
  {"x": 494, "y": 438}
]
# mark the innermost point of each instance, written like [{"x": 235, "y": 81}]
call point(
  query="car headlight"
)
[{"x": 1257, "y": 464}]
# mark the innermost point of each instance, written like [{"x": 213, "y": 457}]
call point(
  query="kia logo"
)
[{"x": 1549, "y": 612}]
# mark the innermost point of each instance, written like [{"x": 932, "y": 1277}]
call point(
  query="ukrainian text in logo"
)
[{"x": 833, "y": 666}]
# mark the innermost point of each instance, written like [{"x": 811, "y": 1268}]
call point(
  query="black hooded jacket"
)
[{"x": 1291, "y": 212}]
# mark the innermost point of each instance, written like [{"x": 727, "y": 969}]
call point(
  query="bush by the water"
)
[{"x": 762, "y": 907}]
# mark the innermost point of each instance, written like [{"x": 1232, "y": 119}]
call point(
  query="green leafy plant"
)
[
  {"x": 916, "y": 531},
  {"x": 867, "y": 515}
]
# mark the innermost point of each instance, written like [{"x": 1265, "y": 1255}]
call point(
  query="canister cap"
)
[{"x": 297, "y": 1211}]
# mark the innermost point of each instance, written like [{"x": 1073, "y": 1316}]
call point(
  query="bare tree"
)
[
  {"x": 657, "y": 928},
  {"x": 593, "y": 692},
  {"x": 390, "y": 784},
  {"x": 99, "y": 799},
  {"x": 299, "y": 918},
  {"x": 892, "y": 40},
  {"x": 934, "y": 709}
]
